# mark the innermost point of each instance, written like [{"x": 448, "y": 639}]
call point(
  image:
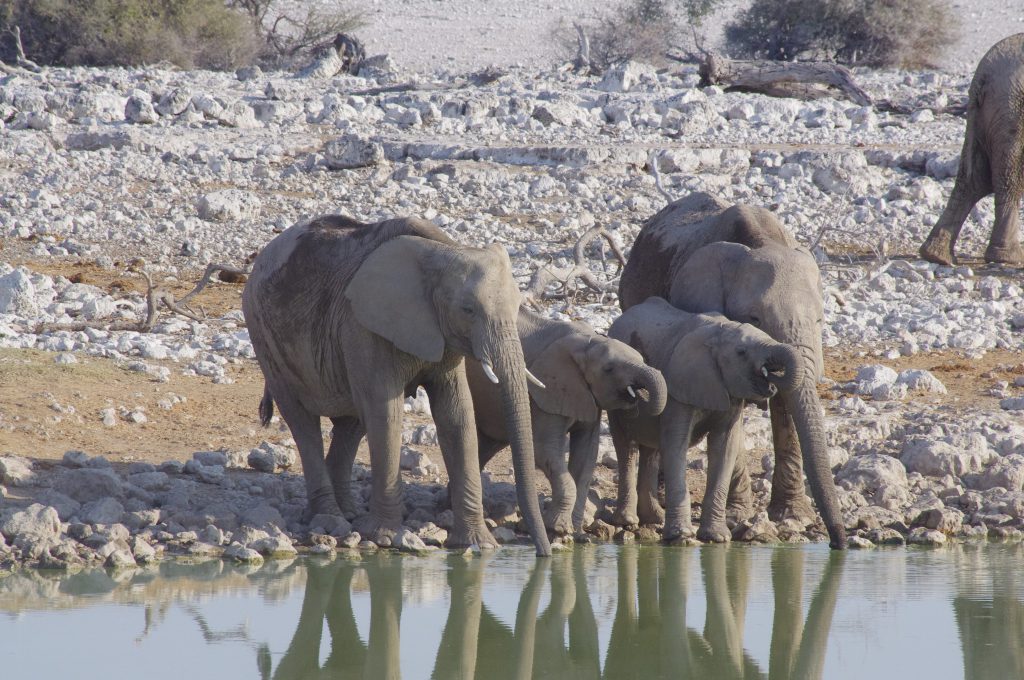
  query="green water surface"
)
[{"x": 716, "y": 612}]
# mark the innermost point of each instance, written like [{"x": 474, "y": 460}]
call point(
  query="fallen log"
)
[{"x": 797, "y": 79}]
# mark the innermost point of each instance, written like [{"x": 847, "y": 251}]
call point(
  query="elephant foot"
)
[
  {"x": 650, "y": 512},
  {"x": 792, "y": 508},
  {"x": 627, "y": 519},
  {"x": 464, "y": 537},
  {"x": 377, "y": 530},
  {"x": 676, "y": 529},
  {"x": 738, "y": 511},
  {"x": 716, "y": 533},
  {"x": 1011, "y": 255},
  {"x": 938, "y": 248},
  {"x": 347, "y": 505},
  {"x": 558, "y": 521},
  {"x": 323, "y": 504}
]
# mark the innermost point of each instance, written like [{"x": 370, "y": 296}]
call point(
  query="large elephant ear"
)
[
  {"x": 389, "y": 297},
  {"x": 565, "y": 390},
  {"x": 701, "y": 284},
  {"x": 693, "y": 375}
]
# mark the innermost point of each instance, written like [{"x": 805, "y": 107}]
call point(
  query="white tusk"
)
[
  {"x": 489, "y": 372},
  {"x": 632, "y": 394},
  {"x": 535, "y": 380},
  {"x": 764, "y": 371}
]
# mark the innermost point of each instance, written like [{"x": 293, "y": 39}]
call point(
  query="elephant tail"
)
[{"x": 266, "y": 407}]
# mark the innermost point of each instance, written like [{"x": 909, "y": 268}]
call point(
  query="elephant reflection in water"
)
[
  {"x": 475, "y": 644},
  {"x": 650, "y": 639},
  {"x": 991, "y": 625},
  {"x": 328, "y": 596},
  {"x": 649, "y": 634}
]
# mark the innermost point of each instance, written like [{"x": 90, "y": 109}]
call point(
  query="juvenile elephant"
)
[
  {"x": 583, "y": 373},
  {"x": 344, "y": 316},
  {"x": 712, "y": 366},
  {"x": 992, "y": 159},
  {"x": 704, "y": 256}
]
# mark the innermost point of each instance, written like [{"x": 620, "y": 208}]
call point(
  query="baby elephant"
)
[
  {"x": 992, "y": 159},
  {"x": 582, "y": 373},
  {"x": 712, "y": 366}
]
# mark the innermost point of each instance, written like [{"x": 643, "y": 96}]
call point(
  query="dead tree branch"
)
[
  {"x": 801, "y": 80},
  {"x": 582, "y": 63},
  {"x": 566, "y": 277},
  {"x": 652, "y": 161},
  {"x": 228, "y": 274},
  {"x": 157, "y": 297}
]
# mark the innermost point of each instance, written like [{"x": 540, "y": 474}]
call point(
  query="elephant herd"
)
[{"x": 721, "y": 307}]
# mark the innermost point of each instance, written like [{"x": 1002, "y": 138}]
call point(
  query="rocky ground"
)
[{"x": 117, "y": 446}]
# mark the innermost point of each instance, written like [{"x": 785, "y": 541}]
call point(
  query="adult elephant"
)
[
  {"x": 704, "y": 255},
  {"x": 992, "y": 159},
  {"x": 583, "y": 373},
  {"x": 345, "y": 316}
]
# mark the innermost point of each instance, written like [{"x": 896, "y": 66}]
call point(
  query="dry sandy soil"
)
[{"x": 51, "y": 408}]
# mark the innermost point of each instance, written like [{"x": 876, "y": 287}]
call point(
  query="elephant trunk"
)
[
  {"x": 510, "y": 369},
  {"x": 650, "y": 380},
  {"x": 808, "y": 416},
  {"x": 785, "y": 366}
]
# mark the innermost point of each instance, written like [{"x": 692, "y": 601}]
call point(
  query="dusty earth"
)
[{"x": 50, "y": 409}]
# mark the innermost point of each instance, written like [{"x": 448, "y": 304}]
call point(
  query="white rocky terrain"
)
[{"x": 101, "y": 167}]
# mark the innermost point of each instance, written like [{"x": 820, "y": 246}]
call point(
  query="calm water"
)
[{"x": 615, "y": 612}]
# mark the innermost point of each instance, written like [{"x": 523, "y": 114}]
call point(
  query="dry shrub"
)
[
  {"x": 294, "y": 32},
  {"x": 189, "y": 33},
  {"x": 903, "y": 33}
]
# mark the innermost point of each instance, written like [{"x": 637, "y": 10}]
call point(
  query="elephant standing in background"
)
[
  {"x": 704, "y": 256},
  {"x": 992, "y": 159},
  {"x": 345, "y": 316},
  {"x": 583, "y": 373},
  {"x": 712, "y": 367}
]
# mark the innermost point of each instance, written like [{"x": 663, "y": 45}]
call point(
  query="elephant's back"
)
[
  {"x": 669, "y": 238},
  {"x": 324, "y": 253},
  {"x": 997, "y": 88},
  {"x": 292, "y": 301},
  {"x": 651, "y": 328},
  {"x": 666, "y": 240}
]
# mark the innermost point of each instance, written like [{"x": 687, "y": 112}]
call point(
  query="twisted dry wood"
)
[
  {"x": 156, "y": 296},
  {"x": 802, "y": 79},
  {"x": 536, "y": 289}
]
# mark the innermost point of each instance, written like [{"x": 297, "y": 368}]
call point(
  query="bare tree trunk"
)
[{"x": 801, "y": 80}]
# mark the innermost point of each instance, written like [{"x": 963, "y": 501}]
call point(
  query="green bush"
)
[
  {"x": 189, "y": 33},
  {"x": 905, "y": 33}
]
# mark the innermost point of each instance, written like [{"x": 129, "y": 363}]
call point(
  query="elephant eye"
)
[
  {"x": 609, "y": 368},
  {"x": 755, "y": 321},
  {"x": 468, "y": 310}
]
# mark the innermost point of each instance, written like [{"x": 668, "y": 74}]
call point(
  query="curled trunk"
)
[
  {"x": 651, "y": 380},
  {"x": 808, "y": 416},
  {"x": 787, "y": 359},
  {"x": 511, "y": 371}
]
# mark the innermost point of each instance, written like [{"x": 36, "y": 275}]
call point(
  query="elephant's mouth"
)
[
  {"x": 772, "y": 373},
  {"x": 634, "y": 394}
]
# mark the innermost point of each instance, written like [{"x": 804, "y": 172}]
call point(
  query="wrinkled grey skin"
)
[
  {"x": 992, "y": 159},
  {"x": 583, "y": 373},
  {"x": 704, "y": 256},
  {"x": 344, "y": 317},
  {"x": 712, "y": 367}
]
